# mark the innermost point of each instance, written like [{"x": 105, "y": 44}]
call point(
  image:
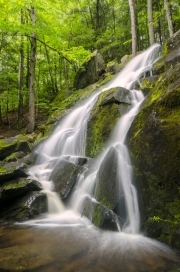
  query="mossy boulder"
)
[
  {"x": 103, "y": 118},
  {"x": 154, "y": 139},
  {"x": 11, "y": 145},
  {"x": 13, "y": 190},
  {"x": 90, "y": 72},
  {"x": 29, "y": 206},
  {"x": 64, "y": 176},
  {"x": 100, "y": 215},
  {"x": 11, "y": 172}
]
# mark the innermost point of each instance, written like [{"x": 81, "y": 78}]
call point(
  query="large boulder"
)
[
  {"x": 90, "y": 71},
  {"x": 154, "y": 139},
  {"x": 64, "y": 175}
]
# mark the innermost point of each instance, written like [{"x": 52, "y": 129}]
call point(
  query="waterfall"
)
[{"x": 69, "y": 139}]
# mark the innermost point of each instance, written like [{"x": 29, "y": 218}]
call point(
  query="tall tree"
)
[
  {"x": 133, "y": 26},
  {"x": 169, "y": 17},
  {"x": 150, "y": 23},
  {"x": 31, "y": 116},
  {"x": 21, "y": 76}
]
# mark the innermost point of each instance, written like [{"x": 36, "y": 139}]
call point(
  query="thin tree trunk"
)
[
  {"x": 97, "y": 16},
  {"x": 31, "y": 116},
  {"x": 169, "y": 17},
  {"x": 50, "y": 70},
  {"x": 133, "y": 27},
  {"x": 66, "y": 76},
  {"x": 21, "y": 77},
  {"x": 150, "y": 23}
]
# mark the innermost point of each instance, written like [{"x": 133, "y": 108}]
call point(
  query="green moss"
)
[
  {"x": 155, "y": 151},
  {"x": 3, "y": 170},
  {"x": 100, "y": 125},
  {"x": 16, "y": 185}
]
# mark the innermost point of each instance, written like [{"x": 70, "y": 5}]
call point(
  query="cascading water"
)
[
  {"x": 69, "y": 139},
  {"x": 64, "y": 241}
]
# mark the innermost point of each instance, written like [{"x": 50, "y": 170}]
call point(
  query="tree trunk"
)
[
  {"x": 169, "y": 17},
  {"x": 21, "y": 77},
  {"x": 97, "y": 16},
  {"x": 150, "y": 23},
  {"x": 31, "y": 116},
  {"x": 133, "y": 26}
]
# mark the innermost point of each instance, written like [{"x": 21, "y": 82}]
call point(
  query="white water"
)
[{"x": 69, "y": 139}]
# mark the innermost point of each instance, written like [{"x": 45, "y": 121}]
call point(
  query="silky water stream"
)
[{"x": 64, "y": 240}]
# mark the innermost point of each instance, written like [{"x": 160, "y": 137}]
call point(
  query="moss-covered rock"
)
[
  {"x": 11, "y": 172},
  {"x": 90, "y": 72},
  {"x": 100, "y": 125},
  {"x": 154, "y": 139},
  {"x": 27, "y": 207},
  {"x": 100, "y": 215},
  {"x": 13, "y": 190},
  {"x": 11, "y": 145}
]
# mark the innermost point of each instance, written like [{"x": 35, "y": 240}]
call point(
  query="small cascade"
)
[{"x": 69, "y": 139}]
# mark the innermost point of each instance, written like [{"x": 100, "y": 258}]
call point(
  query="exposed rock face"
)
[
  {"x": 90, "y": 72},
  {"x": 154, "y": 139}
]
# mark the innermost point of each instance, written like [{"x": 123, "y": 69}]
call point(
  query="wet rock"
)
[
  {"x": 27, "y": 207},
  {"x": 100, "y": 215},
  {"x": 122, "y": 95},
  {"x": 90, "y": 72},
  {"x": 107, "y": 189},
  {"x": 11, "y": 172},
  {"x": 13, "y": 190},
  {"x": 11, "y": 145},
  {"x": 64, "y": 176}
]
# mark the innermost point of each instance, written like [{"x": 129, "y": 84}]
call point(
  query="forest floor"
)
[{"x": 9, "y": 128}]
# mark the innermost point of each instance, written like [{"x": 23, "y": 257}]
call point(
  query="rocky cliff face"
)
[{"x": 154, "y": 143}]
